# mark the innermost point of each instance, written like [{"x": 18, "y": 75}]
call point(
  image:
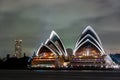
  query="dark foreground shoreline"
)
[{"x": 59, "y": 75}]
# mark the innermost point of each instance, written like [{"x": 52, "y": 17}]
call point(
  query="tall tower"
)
[{"x": 18, "y": 48}]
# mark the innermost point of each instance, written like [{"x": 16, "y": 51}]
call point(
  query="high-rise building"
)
[{"x": 18, "y": 48}]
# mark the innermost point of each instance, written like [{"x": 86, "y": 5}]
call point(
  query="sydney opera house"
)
[{"x": 88, "y": 53}]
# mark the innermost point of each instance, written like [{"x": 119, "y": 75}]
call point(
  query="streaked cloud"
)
[{"x": 32, "y": 21}]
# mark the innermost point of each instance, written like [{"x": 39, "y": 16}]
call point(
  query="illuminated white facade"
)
[
  {"x": 58, "y": 42},
  {"x": 44, "y": 48},
  {"x": 54, "y": 43},
  {"x": 90, "y": 37},
  {"x": 50, "y": 54},
  {"x": 88, "y": 52}
]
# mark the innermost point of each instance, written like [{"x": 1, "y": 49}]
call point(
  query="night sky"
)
[{"x": 33, "y": 20}]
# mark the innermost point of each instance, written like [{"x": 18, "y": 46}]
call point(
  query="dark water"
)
[{"x": 58, "y": 75}]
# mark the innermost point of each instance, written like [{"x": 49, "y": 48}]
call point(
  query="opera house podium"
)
[{"x": 88, "y": 59}]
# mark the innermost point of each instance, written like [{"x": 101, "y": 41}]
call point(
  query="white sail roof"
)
[
  {"x": 89, "y": 35},
  {"x": 53, "y": 46},
  {"x": 42, "y": 49},
  {"x": 58, "y": 42}
]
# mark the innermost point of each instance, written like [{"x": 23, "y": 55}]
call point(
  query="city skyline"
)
[{"x": 32, "y": 21}]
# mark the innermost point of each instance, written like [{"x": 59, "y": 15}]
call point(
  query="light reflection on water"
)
[
  {"x": 80, "y": 74},
  {"x": 77, "y": 70}
]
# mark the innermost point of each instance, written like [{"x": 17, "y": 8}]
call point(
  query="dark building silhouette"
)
[{"x": 14, "y": 62}]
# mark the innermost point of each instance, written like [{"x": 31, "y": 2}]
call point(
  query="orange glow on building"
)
[{"x": 88, "y": 52}]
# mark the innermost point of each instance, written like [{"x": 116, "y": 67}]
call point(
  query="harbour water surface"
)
[{"x": 59, "y": 75}]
